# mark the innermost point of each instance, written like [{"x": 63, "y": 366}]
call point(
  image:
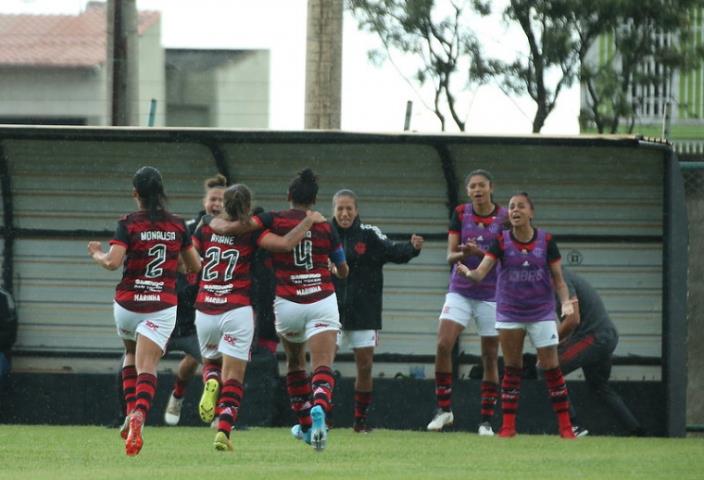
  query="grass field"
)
[{"x": 57, "y": 453}]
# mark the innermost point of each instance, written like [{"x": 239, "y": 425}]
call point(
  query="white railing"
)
[{"x": 689, "y": 146}]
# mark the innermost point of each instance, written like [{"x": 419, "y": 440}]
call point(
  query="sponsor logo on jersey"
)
[
  {"x": 308, "y": 290},
  {"x": 219, "y": 300},
  {"x": 147, "y": 297},
  {"x": 157, "y": 235}
]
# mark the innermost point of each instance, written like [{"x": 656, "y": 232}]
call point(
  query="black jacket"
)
[
  {"x": 187, "y": 293},
  {"x": 359, "y": 296}
]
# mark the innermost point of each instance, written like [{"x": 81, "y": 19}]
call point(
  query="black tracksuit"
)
[{"x": 359, "y": 296}]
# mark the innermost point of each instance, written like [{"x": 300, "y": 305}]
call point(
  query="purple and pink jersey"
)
[
  {"x": 524, "y": 289},
  {"x": 483, "y": 230}
]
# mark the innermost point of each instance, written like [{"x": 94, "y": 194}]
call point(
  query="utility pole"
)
[
  {"x": 324, "y": 64},
  {"x": 122, "y": 60}
]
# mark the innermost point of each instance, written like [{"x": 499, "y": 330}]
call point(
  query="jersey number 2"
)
[{"x": 154, "y": 269}]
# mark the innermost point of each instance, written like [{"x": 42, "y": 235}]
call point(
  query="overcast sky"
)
[{"x": 373, "y": 98}]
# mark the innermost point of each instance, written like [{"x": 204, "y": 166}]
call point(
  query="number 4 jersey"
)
[
  {"x": 149, "y": 272},
  {"x": 303, "y": 276},
  {"x": 225, "y": 280}
]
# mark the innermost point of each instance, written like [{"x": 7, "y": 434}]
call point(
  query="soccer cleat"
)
[
  {"x": 579, "y": 431},
  {"x": 172, "y": 414},
  {"x": 209, "y": 400},
  {"x": 222, "y": 443},
  {"x": 568, "y": 433},
  {"x": 442, "y": 419},
  {"x": 319, "y": 430},
  {"x": 506, "y": 432},
  {"x": 125, "y": 428},
  {"x": 298, "y": 433},
  {"x": 485, "y": 430},
  {"x": 134, "y": 441},
  {"x": 361, "y": 426}
]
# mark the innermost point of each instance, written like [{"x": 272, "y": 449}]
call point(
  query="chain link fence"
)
[{"x": 693, "y": 174}]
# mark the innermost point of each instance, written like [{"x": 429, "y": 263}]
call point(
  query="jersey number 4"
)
[
  {"x": 214, "y": 256},
  {"x": 303, "y": 255}
]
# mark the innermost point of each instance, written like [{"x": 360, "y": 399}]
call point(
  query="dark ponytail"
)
[
  {"x": 150, "y": 188},
  {"x": 238, "y": 200},
  {"x": 303, "y": 189}
]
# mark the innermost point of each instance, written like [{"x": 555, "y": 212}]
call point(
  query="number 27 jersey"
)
[{"x": 225, "y": 279}]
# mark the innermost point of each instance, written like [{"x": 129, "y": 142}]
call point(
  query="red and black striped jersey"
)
[
  {"x": 149, "y": 272},
  {"x": 225, "y": 279},
  {"x": 302, "y": 275}
]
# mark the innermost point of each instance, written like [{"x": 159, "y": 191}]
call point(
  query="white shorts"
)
[
  {"x": 541, "y": 334},
  {"x": 461, "y": 309},
  {"x": 228, "y": 333},
  {"x": 297, "y": 322},
  {"x": 357, "y": 338},
  {"x": 156, "y": 326}
]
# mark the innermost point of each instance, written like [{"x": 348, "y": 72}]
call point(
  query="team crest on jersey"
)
[
  {"x": 360, "y": 248},
  {"x": 538, "y": 252}
]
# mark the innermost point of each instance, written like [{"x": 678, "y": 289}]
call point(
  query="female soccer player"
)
[
  {"x": 525, "y": 304},
  {"x": 473, "y": 227},
  {"x": 184, "y": 337},
  {"x": 359, "y": 297},
  {"x": 305, "y": 306},
  {"x": 148, "y": 242},
  {"x": 224, "y": 317}
]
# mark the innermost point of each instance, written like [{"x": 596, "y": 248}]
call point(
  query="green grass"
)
[{"x": 56, "y": 453}]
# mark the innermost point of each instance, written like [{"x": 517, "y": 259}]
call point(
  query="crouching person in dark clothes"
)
[
  {"x": 588, "y": 338},
  {"x": 359, "y": 296}
]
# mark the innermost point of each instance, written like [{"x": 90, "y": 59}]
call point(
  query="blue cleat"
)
[
  {"x": 299, "y": 434},
  {"x": 319, "y": 431}
]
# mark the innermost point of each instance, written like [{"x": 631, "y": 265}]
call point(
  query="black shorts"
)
[{"x": 188, "y": 344}]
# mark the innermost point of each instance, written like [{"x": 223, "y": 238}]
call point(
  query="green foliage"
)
[
  {"x": 643, "y": 34},
  {"x": 437, "y": 35}
]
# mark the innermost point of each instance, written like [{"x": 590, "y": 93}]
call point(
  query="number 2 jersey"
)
[
  {"x": 302, "y": 275},
  {"x": 149, "y": 271},
  {"x": 225, "y": 279}
]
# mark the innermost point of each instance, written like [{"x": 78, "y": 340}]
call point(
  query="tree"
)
[
  {"x": 650, "y": 41},
  {"x": 558, "y": 34},
  {"x": 447, "y": 48}
]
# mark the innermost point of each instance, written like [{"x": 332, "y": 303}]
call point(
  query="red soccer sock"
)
[
  {"x": 443, "y": 390},
  {"x": 129, "y": 387},
  {"x": 179, "y": 388},
  {"x": 510, "y": 394},
  {"x": 362, "y": 401},
  {"x": 489, "y": 395},
  {"x": 323, "y": 383},
  {"x": 146, "y": 388},
  {"x": 299, "y": 393},
  {"x": 557, "y": 390},
  {"x": 229, "y": 405}
]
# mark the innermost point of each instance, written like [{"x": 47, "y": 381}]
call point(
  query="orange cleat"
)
[
  {"x": 134, "y": 441},
  {"x": 568, "y": 433},
  {"x": 125, "y": 428}
]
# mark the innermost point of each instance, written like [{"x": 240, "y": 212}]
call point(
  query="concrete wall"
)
[
  {"x": 50, "y": 93},
  {"x": 242, "y": 90}
]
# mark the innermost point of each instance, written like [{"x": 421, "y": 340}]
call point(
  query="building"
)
[{"x": 53, "y": 71}]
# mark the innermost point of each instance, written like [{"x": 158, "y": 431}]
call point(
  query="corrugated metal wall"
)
[{"x": 603, "y": 202}]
